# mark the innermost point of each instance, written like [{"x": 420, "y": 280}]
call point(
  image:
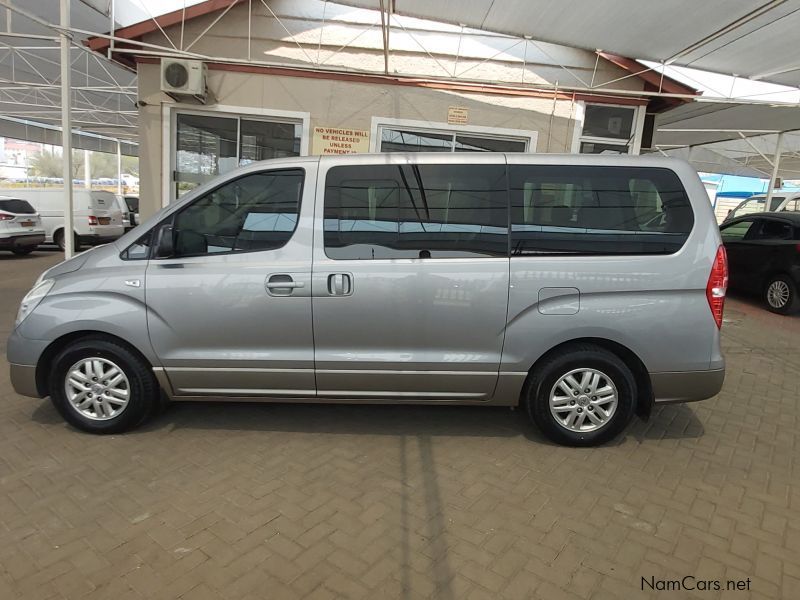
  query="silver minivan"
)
[{"x": 582, "y": 288}]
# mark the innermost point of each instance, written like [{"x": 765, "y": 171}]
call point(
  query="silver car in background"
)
[{"x": 582, "y": 288}]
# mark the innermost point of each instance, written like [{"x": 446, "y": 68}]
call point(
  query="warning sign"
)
[
  {"x": 332, "y": 140},
  {"x": 457, "y": 115}
]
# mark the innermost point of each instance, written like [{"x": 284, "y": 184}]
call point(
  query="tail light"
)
[
  {"x": 717, "y": 285},
  {"x": 6, "y": 217},
  {"x": 92, "y": 220}
]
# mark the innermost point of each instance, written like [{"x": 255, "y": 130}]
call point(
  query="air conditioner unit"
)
[{"x": 184, "y": 78}]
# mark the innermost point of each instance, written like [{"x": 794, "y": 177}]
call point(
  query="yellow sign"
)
[
  {"x": 457, "y": 115},
  {"x": 332, "y": 140}
]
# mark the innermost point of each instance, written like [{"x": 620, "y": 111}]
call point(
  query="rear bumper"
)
[
  {"x": 22, "y": 241},
  {"x": 686, "y": 386},
  {"x": 23, "y": 380}
]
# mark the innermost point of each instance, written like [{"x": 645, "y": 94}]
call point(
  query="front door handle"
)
[{"x": 282, "y": 284}]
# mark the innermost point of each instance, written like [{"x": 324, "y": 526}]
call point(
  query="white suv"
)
[
  {"x": 781, "y": 200},
  {"x": 21, "y": 229}
]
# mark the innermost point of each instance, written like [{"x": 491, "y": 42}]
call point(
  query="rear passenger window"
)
[
  {"x": 774, "y": 230},
  {"x": 735, "y": 232},
  {"x": 416, "y": 211},
  {"x": 597, "y": 210}
]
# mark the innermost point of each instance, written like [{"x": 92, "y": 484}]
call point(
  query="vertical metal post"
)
[
  {"x": 87, "y": 170},
  {"x": 66, "y": 129},
  {"x": 776, "y": 161},
  {"x": 119, "y": 167}
]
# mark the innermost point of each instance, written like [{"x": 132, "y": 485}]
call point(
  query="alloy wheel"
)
[{"x": 583, "y": 400}]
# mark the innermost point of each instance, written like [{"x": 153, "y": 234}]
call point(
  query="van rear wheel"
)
[
  {"x": 100, "y": 386},
  {"x": 58, "y": 238},
  {"x": 23, "y": 251},
  {"x": 582, "y": 395}
]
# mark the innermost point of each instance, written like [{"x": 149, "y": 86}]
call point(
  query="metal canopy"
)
[
  {"x": 731, "y": 138},
  {"x": 747, "y": 38},
  {"x": 103, "y": 93}
]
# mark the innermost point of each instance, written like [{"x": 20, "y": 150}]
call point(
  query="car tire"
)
[
  {"x": 780, "y": 295},
  {"x": 87, "y": 390},
  {"x": 574, "y": 417},
  {"x": 23, "y": 251},
  {"x": 58, "y": 238}
]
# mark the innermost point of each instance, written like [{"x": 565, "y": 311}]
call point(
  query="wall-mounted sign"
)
[
  {"x": 333, "y": 140},
  {"x": 457, "y": 115}
]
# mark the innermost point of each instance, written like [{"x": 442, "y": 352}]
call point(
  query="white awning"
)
[{"x": 746, "y": 38}]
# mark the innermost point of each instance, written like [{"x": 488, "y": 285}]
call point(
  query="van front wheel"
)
[
  {"x": 100, "y": 386},
  {"x": 582, "y": 395}
]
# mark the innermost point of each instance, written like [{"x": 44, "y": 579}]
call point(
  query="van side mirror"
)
[{"x": 165, "y": 245}]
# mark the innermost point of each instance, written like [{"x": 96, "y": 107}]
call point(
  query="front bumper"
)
[
  {"x": 23, "y": 380},
  {"x": 686, "y": 386},
  {"x": 22, "y": 241}
]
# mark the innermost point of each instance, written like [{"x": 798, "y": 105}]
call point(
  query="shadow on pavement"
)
[{"x": 669, "y": 421}]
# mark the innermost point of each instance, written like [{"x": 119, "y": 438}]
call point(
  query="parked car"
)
[
  {"x": 584, "y": 311},
  {"x": 127, "y": 216},
  {"x": 97, "y": 217},
  {"x": 21, "y": 228},
  {"x": 780, "y": 201},
  {"x": 132, "y": 202},
  {"x": 764, "y": 256}
]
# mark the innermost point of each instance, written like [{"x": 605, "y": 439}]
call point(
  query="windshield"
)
[
  {"x": 753, "y": 205},
  {"x": 16, "y": 206}
]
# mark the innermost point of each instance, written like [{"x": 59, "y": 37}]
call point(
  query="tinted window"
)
[
  {"x": 597, "y": 210},
  {"x": 735, "y": 232},
  {"x": 254, "y": 212},
  {"x": 773, "y": 230},
  {"x": 608, "y": 121},
  {"x": 416, "y": 211},
  {"x": 133, "y": 203},
  {"x": 19, "y": 207}
]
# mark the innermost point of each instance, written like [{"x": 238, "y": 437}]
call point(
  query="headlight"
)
[{"x": 32, "y": 299}]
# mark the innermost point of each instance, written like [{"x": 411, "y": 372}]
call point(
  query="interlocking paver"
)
[{"x": 284, "y": 501}]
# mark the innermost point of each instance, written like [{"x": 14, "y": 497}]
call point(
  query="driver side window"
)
[{"x": 255, "y": 212}]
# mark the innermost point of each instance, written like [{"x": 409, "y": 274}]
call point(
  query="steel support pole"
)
[
  {"x": 775, "y": 165},
  {"x": 87, "y": 170},
  {"x": 119, "y": 167},
  {"x": 66, "y": 129}
]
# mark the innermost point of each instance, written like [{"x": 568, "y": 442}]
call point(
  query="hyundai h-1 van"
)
[{"x": 584, "y": 289}]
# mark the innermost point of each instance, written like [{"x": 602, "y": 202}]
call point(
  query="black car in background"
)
[{"x": 764, "y": 257}]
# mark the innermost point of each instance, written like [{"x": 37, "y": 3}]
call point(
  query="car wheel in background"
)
[
  {"x": 58, "y": 238},
  {"x": 100, "y": 386},
  {"x": 583, "y": 395},
  {"x": 23, "y": 251},
  {"x": 780, "y": 295}
]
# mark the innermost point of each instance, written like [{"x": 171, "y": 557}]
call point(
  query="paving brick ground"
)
[{"x": 276, "y": 501}]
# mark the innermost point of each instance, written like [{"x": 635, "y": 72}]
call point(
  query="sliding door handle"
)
[{"x": 340, "y": 284}]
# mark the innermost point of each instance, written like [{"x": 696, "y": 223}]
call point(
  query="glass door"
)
[{"x": 210, "y": 145}]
